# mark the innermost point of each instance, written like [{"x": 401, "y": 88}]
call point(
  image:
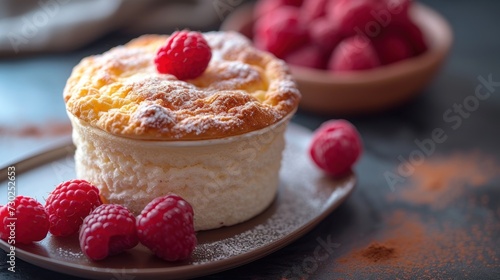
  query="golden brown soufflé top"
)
[{"x": 242, "y": 90}]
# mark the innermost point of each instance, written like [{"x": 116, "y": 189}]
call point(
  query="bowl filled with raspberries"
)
[{"x": 349, "y": 56}]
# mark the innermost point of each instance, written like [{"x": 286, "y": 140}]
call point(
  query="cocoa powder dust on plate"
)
[{"x": 438, "y": 226}]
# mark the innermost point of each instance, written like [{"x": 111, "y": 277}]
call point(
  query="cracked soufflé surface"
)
[{"x": 242, "y": 90}]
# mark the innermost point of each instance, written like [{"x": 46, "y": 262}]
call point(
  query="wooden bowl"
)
[{"x": 372, "y": 90}]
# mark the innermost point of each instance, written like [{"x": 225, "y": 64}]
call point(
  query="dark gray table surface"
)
[{"x": 30, "y": 93}]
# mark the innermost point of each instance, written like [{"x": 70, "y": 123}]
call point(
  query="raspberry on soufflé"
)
[{"x": 186, "y": 55}]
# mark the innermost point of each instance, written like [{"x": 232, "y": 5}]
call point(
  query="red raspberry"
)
[
  {"x": 108, "y": 230},
  {"x": 279, "y": 31},
  {"x": 352, "y": 54},
  {"x": 23, "y": 220},
  {"x": 392, "y": 47},
  {"x": 166, "y": 227},
  {"x": 335, "y": 147},
  {"x": 265, "y": 6},
  {"x": 325, "y": 34},
  {"x": 185, "y": 55},
  {"x": 68, "y": 204},
  {"x": 307, "y": 56},
  {"x": 366, "y": 17},
  {"x": 413, "y": 34},
  {"x": 312, "y": 10},
  {"x": 351, "y": 15}
]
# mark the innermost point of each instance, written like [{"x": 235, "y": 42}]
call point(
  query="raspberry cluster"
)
[
  {"x": 165, "y": 225},
  {"x": 338, "y": 35}
]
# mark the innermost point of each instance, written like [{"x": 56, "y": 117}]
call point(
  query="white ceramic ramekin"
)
[{"x": 227, "y": 180}]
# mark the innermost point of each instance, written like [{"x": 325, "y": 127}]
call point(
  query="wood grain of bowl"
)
[{"x": 372, "y": 90}]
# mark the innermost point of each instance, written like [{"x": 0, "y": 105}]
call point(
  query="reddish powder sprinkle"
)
[
  {"x": 440, "y": 180},
  {"x": 408, "y": 247},
  {"x": 459, "y": 233},
  {"x": 48, "y": 129},
  {"x": 378, "y": 252}
]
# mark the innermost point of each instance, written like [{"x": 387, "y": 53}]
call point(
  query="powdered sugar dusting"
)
[
  {"x": 288, "y": 86},
  {"x": 234, "y": 75},
  {"x": 164, "y": 87},
  {"x": 222, "y": 45},
  {"x": 154, "y": 116},
  {"x": 67, "y": 254},
  {"x": 120, "y": 60},
  {"x": 125, "y": 77},
  {"x": 200, "y": 124}
]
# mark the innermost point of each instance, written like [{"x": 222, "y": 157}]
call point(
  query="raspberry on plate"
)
[
  {"x": 280, "y": 31},
  {"x": 353, "y": 53},
  {"x": 335, "y": 147},
  {"x": 69, "y": 203},
  {"x": 166, "y": 227},
  {"x": 23, "y": 220},
  {"x": 110, "y": 229},
  {"x": 185, "y": 55}
]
